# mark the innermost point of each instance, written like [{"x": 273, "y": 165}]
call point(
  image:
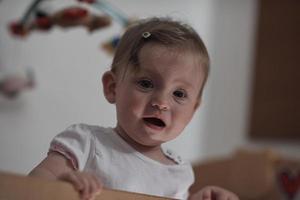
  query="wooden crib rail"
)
[{"x": 20, "y": 187}]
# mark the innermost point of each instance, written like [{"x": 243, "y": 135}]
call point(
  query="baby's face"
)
[{"x": 155, "y": 104}]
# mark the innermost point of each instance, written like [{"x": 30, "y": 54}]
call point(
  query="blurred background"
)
[{"x": 65, "y": 66}]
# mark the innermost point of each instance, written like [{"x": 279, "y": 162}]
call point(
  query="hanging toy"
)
[
  {"x": 37, "y": 18},
  {"x": 66, "y": 18},
  {"x": 71, "y": 17}
]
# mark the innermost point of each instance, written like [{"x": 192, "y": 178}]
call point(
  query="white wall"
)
[
  {"x": 228, "y": 93},
  {"x": 68, "y": 66}
]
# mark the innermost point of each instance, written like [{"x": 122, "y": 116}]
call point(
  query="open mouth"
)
[{"x": 155, "y": 121}]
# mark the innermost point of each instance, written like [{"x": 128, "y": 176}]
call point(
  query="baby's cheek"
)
[{"x": 182, "y": 118}]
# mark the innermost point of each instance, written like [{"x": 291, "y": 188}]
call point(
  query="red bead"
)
[
  {"x": 75, "y": 13},
  {"x": 17, "y": 28},
  {"x": 88, "y": 1},
  {"x": 43, "y": 23}
]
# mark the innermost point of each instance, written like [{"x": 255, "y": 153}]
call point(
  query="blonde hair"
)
[{"x": 164, "y": 31}]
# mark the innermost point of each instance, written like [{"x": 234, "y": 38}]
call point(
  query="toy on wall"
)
[{"x": 69, "y": 17}]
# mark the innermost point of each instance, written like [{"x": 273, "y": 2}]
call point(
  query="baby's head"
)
[
  {"x": 163, "y": 31},
  {"x": 156, "y": 81}
]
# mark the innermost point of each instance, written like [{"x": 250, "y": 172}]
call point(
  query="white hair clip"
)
[{"x": 146, "y": 34}]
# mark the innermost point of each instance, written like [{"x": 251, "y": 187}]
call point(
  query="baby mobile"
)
[{"x": 42, "y": 18}]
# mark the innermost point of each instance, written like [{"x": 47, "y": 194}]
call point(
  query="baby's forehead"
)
[
  {"x": 169, "y": 66},
  {"x": 175, "y": 49},
  {"x": 162, "y": 58}
]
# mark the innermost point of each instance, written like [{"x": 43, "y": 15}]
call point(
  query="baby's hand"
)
[
  {"x": 213, "y": 193},
  {"x": 85, "y": 183}
]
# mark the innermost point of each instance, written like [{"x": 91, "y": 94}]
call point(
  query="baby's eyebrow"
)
[
  {"x": 187, "y": 84},
  {"x": 146, "y": 73}
]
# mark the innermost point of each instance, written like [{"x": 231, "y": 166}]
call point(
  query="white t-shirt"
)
[{"x": 104, "y": 153}]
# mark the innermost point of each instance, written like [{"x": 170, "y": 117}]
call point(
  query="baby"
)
[{"x": 156, "y": 82}]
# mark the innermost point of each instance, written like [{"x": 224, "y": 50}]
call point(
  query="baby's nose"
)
[
  {"x": 161, "y": 103},
  {"x": 161, "y": 107}
]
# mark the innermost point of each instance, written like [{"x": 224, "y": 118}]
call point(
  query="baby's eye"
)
[
  {"x": 145, "y": 84},
  {"x": 180, "y": 94}
]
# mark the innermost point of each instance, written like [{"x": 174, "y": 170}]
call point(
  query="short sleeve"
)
[{"x": 75, "y": 144}]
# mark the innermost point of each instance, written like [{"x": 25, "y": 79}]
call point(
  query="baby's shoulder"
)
[{"x": 87, "y": 131}]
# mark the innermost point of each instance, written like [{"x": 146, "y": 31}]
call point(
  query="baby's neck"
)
[
  {"x": 154, "y": 152},
  {"x": 159, "y": 157}
]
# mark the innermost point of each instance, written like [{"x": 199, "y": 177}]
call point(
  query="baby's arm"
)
[
  {"x": 213, "y": 193},
  {"x": 56, "y": 166}
]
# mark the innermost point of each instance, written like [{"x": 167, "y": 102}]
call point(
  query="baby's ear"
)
[{"x": 109, "y": 86}]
